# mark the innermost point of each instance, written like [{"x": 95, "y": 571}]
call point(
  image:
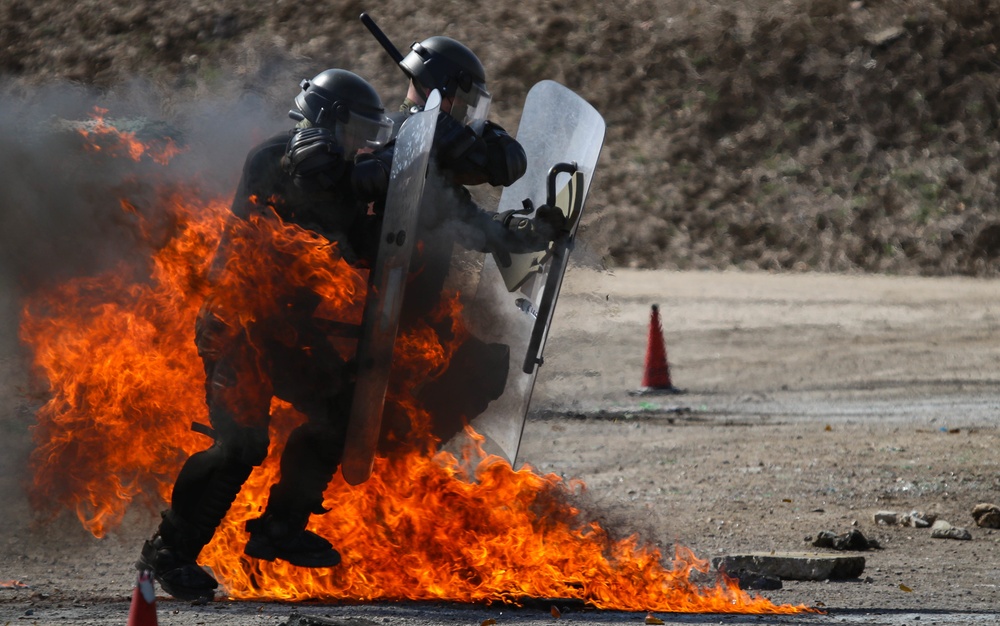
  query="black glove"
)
[
  {"x": 313, "y": 158},
  {"x": 370, "y": 176},
  {"x": 452, "y": 139},
  {"x": 550, "y": 222}
]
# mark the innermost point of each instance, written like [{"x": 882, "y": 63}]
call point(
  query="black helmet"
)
[
  {"x": 345, "y": 103},
  {"x": 446, "y": 65}
]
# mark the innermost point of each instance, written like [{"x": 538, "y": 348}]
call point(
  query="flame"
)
[
  {"x": 122, "y": 377},
  {"x": 125, "y": 384},
  {"x": 102, "y": 135},
  {"x": 12, "y": 584}
]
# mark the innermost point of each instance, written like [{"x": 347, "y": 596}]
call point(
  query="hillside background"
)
[{"x": 822, "y": 135}]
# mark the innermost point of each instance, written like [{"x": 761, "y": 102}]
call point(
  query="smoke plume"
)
[{"x": 61, "y": 210}]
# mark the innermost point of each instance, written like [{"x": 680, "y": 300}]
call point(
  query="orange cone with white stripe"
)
[{"x": 143, "y": 609}]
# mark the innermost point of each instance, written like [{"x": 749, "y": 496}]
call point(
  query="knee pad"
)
[{"x": 246, "y": 444}]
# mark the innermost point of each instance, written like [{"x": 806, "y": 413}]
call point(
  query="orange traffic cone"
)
[
  {"x": 656, "y": 377},
  {"x": 143, "y": 609}
]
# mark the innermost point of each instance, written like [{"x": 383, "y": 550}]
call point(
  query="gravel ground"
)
[{"x": 888, "y": 403}]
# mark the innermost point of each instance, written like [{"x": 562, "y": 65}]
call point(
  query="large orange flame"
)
[{"x": 126, "y": 383}]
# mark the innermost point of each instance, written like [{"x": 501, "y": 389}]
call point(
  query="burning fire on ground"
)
[{"x": 126, "y": 384}]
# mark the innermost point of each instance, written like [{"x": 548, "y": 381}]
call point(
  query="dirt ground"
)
[{"x": 812, "y": 401}]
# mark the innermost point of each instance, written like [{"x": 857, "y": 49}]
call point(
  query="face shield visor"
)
[
  {"x": 471, "y": 106},
  {"x": 363, "y": 132}
]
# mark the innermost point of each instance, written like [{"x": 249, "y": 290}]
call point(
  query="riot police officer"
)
[
  {"x": 469, "y": 149},
  {"x": 307, "y": 177}
]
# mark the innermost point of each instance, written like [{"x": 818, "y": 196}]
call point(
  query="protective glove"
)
[
  {"x": 370, "y": 176},
  {"x": 313, "y": 158},
  {"x": 550, "y": 222},
  {"x": 526, "y": 234}
]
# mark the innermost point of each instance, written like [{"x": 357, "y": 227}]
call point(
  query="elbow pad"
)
[
  {"x": 505, "y": 158},
  {"x": 314, "y": 159},
  {"x": 452, "y": 140}
]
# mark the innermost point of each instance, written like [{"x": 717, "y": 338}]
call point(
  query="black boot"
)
[
  {"x": 281, "y": 537},
  {"x": 206, "y": 487},
  {"x": 172, "y": 561},
  {"x": 310, "y": 458}
]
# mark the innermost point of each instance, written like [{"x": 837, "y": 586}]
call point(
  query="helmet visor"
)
[
  {"x": 361, "y": 131},
  {"x": 471, "y": 107}
]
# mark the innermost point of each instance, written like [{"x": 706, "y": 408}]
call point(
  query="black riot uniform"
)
[
  {"x": 468, "y": 150},
  {"x": 305, "y": 177}
]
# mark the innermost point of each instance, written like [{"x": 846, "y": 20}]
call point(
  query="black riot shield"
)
[
  {"x": 514, "y": 303},
  {"x": 386, "y": 287}
]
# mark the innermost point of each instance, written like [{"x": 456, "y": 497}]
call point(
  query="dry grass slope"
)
[{"x": 811, "y": 134}]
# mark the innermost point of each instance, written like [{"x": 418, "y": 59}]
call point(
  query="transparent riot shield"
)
[
  {"x": 386, "y": 288},
  {"x": 514, "y": 303}
]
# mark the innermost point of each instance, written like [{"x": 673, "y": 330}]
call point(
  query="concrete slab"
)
[{"x": 795, "y": 565}]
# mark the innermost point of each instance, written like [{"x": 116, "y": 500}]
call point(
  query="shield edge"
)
[
  {"x": 386, "y": 289},
  {"x": 592, "y": 132}
]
